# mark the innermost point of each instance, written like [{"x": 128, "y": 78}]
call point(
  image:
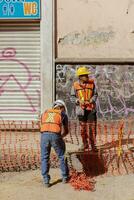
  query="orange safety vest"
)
[
  {"x": 85, "y": 92},
  {"x": 51, "y": 121}
]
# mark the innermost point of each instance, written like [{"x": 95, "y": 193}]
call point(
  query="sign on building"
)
[{"x": 19, "y": 9}]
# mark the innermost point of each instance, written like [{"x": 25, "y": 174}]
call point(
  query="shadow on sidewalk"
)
[{"x": 92, "y": 163}]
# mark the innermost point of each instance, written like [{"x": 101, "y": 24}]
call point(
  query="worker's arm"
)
[
  {"x": 74, "y": 98},
  {"x": 65, "y": 131},
  {"x": 95, "y": 95}
]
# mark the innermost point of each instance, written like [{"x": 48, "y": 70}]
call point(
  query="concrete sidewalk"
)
[{"x": 28, "y": 186}]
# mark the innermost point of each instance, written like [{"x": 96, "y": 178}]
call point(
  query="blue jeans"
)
[{"x": 54, "y": 140}]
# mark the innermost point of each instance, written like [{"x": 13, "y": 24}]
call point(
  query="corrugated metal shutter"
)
[{"x": 19, "y": 71}]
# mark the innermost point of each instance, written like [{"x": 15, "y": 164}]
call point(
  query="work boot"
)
[
  {"x": 47, "y": 185},
  {"x": 64, "y": 180}
]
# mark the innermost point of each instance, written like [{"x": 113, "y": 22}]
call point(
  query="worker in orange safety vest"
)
[
  {"x": 84, "y": 94},
  {"x": 53, "y": 128}
]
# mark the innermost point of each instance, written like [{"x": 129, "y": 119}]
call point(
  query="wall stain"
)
[
  {"x": 87, "y": 38},
  {"x": 130, "y": 4}
]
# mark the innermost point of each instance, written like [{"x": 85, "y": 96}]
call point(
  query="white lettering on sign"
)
[{"x": 12, "y": 1}]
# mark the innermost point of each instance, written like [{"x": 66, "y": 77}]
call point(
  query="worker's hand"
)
[
  {"x": 91, "y": 100},
  {"x": 84, "y": 102},
  {"x": 77, "y": 102}
]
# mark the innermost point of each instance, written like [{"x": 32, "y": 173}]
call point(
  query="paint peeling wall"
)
[
  {"x": 114, "y": 84},
  {"x": 95, "y": 29}
]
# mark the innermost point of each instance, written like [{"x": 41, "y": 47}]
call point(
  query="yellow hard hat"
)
[{"x": 82, "y": 70}]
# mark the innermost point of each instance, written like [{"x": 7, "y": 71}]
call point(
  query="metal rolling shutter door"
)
[{"x": 19, "y": 71}]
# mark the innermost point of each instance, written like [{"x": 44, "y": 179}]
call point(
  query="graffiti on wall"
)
[
  {"x": 16, "y": 78},
  {"x": 114, "y": 83}
]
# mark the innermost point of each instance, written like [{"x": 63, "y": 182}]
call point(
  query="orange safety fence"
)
[{"x": 20, "y": 147}]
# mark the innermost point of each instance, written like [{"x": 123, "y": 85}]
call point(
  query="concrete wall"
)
[{"x": 95, "y": 29}]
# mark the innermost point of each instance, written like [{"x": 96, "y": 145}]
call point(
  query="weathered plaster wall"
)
[
  {"x": 95, "y": 29},
  {"x": 114, "y": 84}
]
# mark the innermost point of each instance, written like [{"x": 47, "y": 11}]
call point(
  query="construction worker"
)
[
  {"x": 85, "y": 95},
  {"x": 54, "y": 127}
]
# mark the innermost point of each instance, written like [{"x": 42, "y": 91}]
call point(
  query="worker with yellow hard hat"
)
[{"x": 85, "y": 95}]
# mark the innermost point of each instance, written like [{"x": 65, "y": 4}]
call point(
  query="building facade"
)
[{"x": 41, "y": 48}]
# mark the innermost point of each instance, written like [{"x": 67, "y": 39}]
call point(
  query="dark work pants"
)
[{"x": 88, "y": 123}]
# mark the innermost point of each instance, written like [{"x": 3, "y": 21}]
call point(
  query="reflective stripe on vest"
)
[
  {"x": 85, "y": 92},
  {"x": 51, "y": 121}
]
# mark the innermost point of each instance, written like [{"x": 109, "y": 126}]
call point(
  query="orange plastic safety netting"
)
[
  {"x": 115, "y": 143},
  {"x": 20, "y": 147}
]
